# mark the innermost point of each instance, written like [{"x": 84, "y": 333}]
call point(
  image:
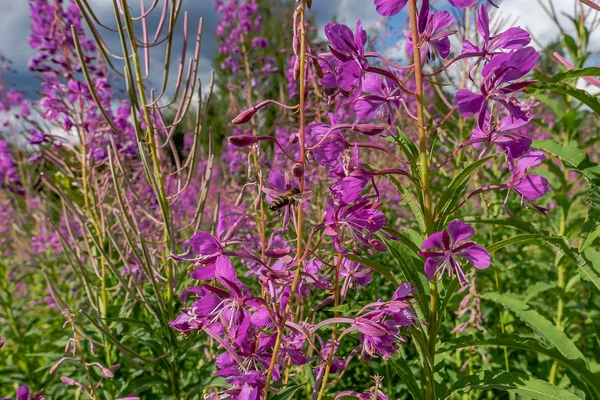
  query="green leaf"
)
[
  {"x": 406, "y": 376},
  {"x": 535, "y": 289},
  {"x": 531, "y": 344},
  {"x": 586, "y": 98},
  {"x": 528, "y": 237},
  {"x": 570, "y": 44},
  {"x": 545, "y": 328},
  {"x": 576, "y": 73},
  {"x": 288, "y": 393},
  {"x": 513, "y": 382},
  {"x": 590, "y": 230},
  {"x": 408, "y": 148},
  {"x": 587, "y": 268},
  {"x": 411, "y": 271},
  {"x": 412, "y": 202},
  {"x": 449, "y": 198},
  {"x": 577, "y": 160},
  {"x": 573, "y": 158}
]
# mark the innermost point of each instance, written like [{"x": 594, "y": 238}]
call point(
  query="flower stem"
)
[
  {"x": 336, "y": 303},
  {"x": 299, "y": 243},
  {"x": 427, "y": 203}
]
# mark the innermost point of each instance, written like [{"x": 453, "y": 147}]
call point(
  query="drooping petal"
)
[
  {"x": 442, "y": 46},
  {"x": 432, "y": 264}
]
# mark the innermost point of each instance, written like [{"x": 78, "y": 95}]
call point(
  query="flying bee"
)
[{"x": 288, "y": 199}]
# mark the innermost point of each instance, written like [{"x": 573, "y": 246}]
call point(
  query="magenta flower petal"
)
[
  {"x": 459, "y": 231},
  {"x": 462, "y": 3},
  {"x": 512, "y": 38},
  {"x": 224, "y": 269},
  {"x": 204, "y": 273},
  {"x": 477, "y": 255},
  {"x": 433, "y": 242},
  {"x": 349, "y": 76},
  {"x": 431, "y": 266},
  {"x": 532, "y": 187},
  {"x": 206, "y": 246},
  {"x": 348, "y": 189},
  {"x": 483, "y": 23},
  {"x": 276, "y": 180},
  {"x": 388, "y": 8},
  {"x": 468, "y": 102}
]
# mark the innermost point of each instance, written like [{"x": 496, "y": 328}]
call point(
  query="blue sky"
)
[{"x": 14, "y": 26}]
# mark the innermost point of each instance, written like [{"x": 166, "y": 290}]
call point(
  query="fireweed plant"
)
[{"x": 372, "y": 227}]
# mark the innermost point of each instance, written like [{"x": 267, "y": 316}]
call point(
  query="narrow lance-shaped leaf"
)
[
  {"x": 545, "y": 328},
  {"x": 513, "y": 382}
]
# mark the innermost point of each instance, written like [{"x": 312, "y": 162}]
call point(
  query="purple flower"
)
[
  {"x": 280, "y": 184},
  {"x": 529, "y": 186},
  {"x": 433, "y": 32},
  {"x": 380, "y": 328},
  {"x": 354, "y": 179},
  {"x": 329, "y": 152},
  {"x": 511, "y": 39},
  {"x": 447, "y": 260},
  {"x": 356, "y": 222},
  {"x": 381, "y": 100},
  {"x": 497, "y": 86},
  {"x": 353, "y": 275},
  {"x": 514, "y": 144},
  {"x": 349, "y": 49}
]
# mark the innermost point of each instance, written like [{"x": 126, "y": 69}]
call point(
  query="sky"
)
[{"x": 14, "y": 27}]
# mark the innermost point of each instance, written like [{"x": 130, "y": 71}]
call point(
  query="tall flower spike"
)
[{"x": 447, "y": 259}]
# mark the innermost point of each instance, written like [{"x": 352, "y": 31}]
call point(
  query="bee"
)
[{"x": 289, "y": 198}]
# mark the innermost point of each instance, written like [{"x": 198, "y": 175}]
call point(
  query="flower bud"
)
[
  {"x": 244, "y": 116},
  {"x": 298, "y": 170},
  {"x": 294, "y": 138},
  {"x": 368, "y": 129},
  {"x": 243, "y": 140}
]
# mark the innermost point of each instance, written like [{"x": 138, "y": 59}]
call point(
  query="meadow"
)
[{"x": 335, "y": 211}]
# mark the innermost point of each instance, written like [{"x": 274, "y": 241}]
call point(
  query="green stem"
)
[{"x": 427, "y": 202}]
